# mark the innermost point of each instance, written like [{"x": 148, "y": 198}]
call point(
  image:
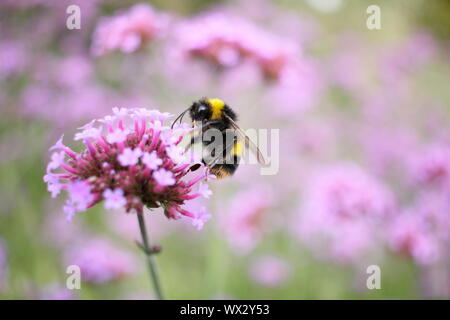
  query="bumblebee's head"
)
[
  {"x": 206, "y": 109},
  {"x": 200, "y": 111}
]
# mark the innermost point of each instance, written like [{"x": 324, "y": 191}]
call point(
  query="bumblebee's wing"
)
[{"x": 248, "y": 143}]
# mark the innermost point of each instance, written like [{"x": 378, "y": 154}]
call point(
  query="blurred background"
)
[{"x": 364, "y": 175}]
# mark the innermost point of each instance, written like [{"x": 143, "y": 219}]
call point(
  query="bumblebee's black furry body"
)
[{"x": 213, "y": 114}]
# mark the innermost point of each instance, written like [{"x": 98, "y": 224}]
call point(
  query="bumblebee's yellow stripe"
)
[
  {"x": 216, "y": 108},
  {"x": 237, "y": 149}
]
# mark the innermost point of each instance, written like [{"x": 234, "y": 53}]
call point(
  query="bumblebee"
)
[{"x": 216, "y": 114}]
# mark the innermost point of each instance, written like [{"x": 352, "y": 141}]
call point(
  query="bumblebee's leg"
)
[
  {"x": 221, "y": 156},
  {"x": 212, "y": 123},
  {"x": 197, "y": 138},
  {"x": 194, "y": 140}
]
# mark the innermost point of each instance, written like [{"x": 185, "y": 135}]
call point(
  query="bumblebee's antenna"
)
[{"x": 180, "y": 117}]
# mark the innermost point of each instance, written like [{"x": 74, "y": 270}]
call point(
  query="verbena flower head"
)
[
  {"x": 128, "y": 31},
  {"x": 130, "y": 160},
  {"x": 431, "y": 166},
  {"x": 344, "y": 204},
  {"x": 423, "y": 231},
  {"x": 227, "y": 41}
]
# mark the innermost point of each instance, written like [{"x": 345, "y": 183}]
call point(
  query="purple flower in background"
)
[
  {"x": 269, "y": 271},
  {"x": 407, "y": 57},
  {"x": 409, "y": 234},
  {"x": 344, "y": 204},
  {"x": 77, "y": 70},
  {"x": 116, "y": 171},
  {"x": 423, "y": 231},
  {"x": 100, "y": 261},
  {"x": 227, "y": 41},
  {"x": 13, "y": 58},
  {"x": 129, "y": 30},
  {"x": 431, "y": 166},
  {"x": 298, "y": 87}
]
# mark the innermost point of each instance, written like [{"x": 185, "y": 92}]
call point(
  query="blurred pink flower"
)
[
  {"x": 423, "y": 231},
  {"x": 342, "y": 206},
  {"x": 76, "y": 69},
  {"x": 269, "y": 271},
  {"x": 408, "y": 56},
  {"x": 100, "y": 261},
  {"x": 227, "y": 41},
  {"x": 13, "y": 58},
  {"x": 115, "y": 172},
  {"x": 348, "y": 66},
  {"x": 298, "y": 86},
  {"x": 245, "y": 221},
  {"x": 409, "y": 234},
  {"x": 431, "y": 166},
  {"x": 128, "y": 31}
]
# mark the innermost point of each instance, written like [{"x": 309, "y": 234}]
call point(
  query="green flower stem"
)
[{"x": 151, "y": 263}]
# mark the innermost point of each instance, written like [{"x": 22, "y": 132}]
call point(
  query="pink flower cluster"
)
[
  {"x": 129, "y": 30},
  {"x": 422, "y": 231},
  {"x": 408, "y": 57},
  {"x": 410, "y": 233},
  {"x": 227, "y": 41},
  {"x": 431, "y": 168},
  {"x": 344, "y": 204},
  {"x": 131, "y": 161}
]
